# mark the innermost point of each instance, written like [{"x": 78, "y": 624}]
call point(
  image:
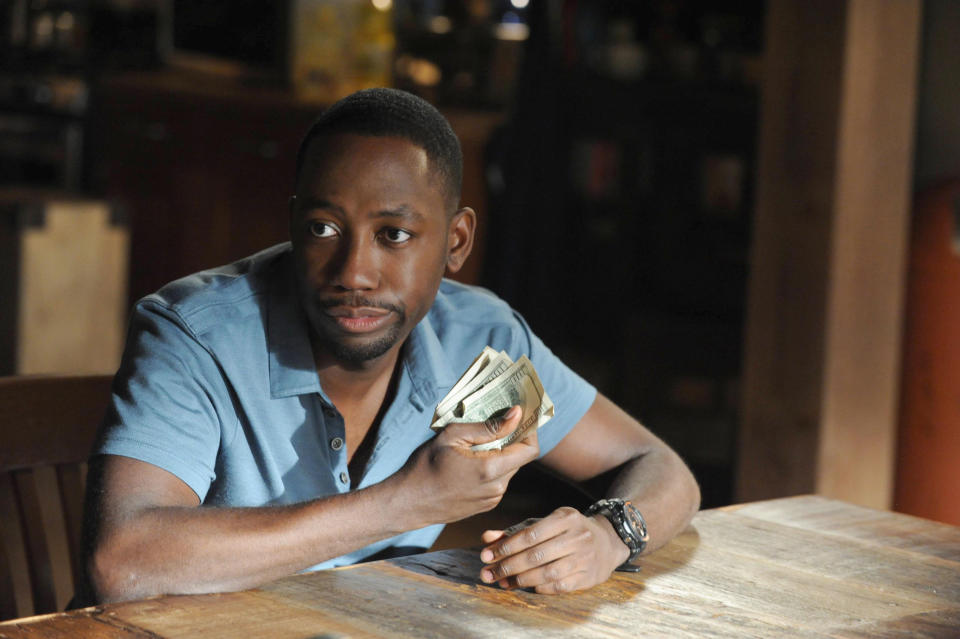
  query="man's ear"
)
[{"x": 460, "y": 238}]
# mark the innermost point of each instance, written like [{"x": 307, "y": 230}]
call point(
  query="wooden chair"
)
[{"x": 47, "y": 426}]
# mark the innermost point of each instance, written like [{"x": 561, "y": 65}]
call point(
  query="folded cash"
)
[{"x": 489, "y": 387}]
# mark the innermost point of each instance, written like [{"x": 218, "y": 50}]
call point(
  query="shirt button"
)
[
  {"x": 344, "y": 478},
  {"x": 336, "y": 443}
]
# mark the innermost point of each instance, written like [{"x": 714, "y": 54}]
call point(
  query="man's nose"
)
[{"x": 356, "y": 267}]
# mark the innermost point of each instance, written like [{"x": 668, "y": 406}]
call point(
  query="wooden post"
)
[{"x": 821, "y": 364}]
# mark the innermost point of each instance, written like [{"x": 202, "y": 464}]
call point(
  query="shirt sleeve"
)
[
  {"x": 572, "y": 395},
  {"x": 164, "y": 409}
]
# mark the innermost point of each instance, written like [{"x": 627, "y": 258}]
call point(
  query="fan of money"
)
[{"x": 489, "y": 387}]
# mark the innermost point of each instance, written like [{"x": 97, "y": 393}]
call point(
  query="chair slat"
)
[
  {"x": 8, "y": 512},
  {"x": 35, "y": 542},
  {"x": 70, "y": 481},
  {"x": 8, "y": 601}
]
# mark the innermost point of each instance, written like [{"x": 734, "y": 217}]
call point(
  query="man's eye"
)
[
  {"x": 396, "y": 236},
  {"x": 322, "y": 229}
]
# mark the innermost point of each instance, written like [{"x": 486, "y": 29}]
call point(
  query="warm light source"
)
[
  {"x": 382, "y": 5},
  {"x": 440, "y": 24}
]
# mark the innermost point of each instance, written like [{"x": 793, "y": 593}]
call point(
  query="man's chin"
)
[{"x": 357, "y": 351}]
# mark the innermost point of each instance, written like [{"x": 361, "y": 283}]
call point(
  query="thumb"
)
[
  {"x": 495, "y": 427},
  {"x": 490, "y": 536}
]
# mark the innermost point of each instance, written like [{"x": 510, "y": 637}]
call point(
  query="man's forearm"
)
[
  {"x": 181, "y": 550},
  {"x": 663, "y": 489}
]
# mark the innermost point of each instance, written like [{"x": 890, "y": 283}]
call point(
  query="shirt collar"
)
[
  {"x": 292, "y": 369},
  {"x": 427, "y": 365}
]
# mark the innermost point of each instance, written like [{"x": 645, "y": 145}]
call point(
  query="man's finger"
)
[
  {"x": 495, "y": 423},
  {"x": 551, "y": 550},
  {"x": 470, "y": 434},
  {"x": 526, "y": 523},
  {"x": 529, "y": 533},
  {"x": 568, "y": 583},
  {"x": 490, "y": 536},
  {"x": 561, "y": 569}
]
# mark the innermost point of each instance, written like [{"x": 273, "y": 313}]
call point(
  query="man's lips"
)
[
  {"x": 357, "y": 319},
  {"x": 355, "y": 312}
]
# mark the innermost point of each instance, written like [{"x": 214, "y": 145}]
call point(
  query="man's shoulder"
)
[
  {"x": 464, "y": 303},
  {"x": 220, "y": 294}
]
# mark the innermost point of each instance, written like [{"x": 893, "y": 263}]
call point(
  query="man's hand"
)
[
  {"x": 562, "y": 552},
  {"x": 447, "y": 481}
]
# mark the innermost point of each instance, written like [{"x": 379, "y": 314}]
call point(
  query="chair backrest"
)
[{"x": 47, "y": 426}]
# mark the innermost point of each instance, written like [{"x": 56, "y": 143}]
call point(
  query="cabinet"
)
[{"x": 63, "y": 276}]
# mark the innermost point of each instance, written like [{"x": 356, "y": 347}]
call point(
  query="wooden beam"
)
[{"x": 821, "y": 362}]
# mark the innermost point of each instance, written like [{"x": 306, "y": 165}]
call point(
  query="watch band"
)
[{"x": 629, "y": 525}]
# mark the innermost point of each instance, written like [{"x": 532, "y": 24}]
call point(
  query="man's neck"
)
[{"x": 352, "y": 381}]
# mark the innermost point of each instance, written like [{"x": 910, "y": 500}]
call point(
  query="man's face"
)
[{"x": 371, "y": 240}]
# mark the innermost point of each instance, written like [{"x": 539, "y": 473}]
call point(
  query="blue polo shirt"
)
[{"x": 218, "y": 386}]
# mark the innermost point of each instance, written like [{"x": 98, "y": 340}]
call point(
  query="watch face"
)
[{"x": 634, "y": 521}]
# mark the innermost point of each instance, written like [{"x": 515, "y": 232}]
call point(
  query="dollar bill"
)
[
  {"x": 488, "y": 365},
  {"x": 490, "y": 386}
]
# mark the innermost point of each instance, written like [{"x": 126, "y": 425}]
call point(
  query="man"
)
[{"x": 273, "y": 416}]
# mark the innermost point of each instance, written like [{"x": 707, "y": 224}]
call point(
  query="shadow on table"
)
[
  {"x": 674, "y": 555},
  {"x": 461, "y": 568}
]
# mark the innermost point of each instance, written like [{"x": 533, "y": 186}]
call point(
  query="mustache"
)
[{"x": 356, "y": 300}]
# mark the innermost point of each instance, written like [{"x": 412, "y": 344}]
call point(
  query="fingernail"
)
[
  {"x": 486, "y": 576},
  {"x": 486, "y": 556}
]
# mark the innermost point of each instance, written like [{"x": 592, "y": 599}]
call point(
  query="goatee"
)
[
  {"x": 335, "y": 344},
  {"x": 358, "y": 353}
]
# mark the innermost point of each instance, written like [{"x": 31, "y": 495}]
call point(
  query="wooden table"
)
[{"x": 796, "y": 567}]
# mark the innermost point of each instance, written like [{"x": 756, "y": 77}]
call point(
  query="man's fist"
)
[{"x": 450, "y": 481}]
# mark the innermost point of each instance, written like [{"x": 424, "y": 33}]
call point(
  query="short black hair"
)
[{"x": 385, "y": 112}]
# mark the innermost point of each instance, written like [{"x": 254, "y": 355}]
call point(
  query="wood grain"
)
[
  {"x": 91, "y": 624},
  {"x": 835, "y": 517},
  {"x": 804, "y": 567}
]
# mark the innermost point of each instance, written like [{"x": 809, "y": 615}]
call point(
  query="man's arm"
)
[
  {"x": 568, "y": 551},
  {"x": 146, "y": 533}
]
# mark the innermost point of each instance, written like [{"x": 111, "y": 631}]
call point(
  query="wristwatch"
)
[{"x": 629, "y": 524}]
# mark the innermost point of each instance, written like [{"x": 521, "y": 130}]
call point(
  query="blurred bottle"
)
[{"x": 340, "y": 46}]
